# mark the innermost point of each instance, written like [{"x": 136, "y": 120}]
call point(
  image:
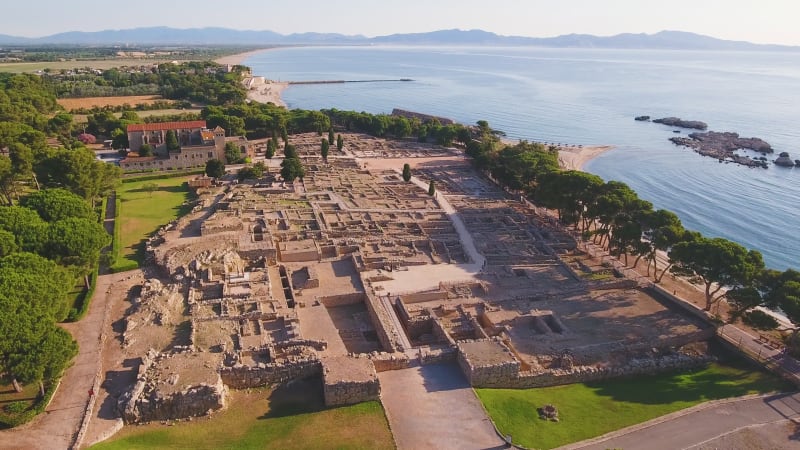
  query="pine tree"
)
[
  {"x": 339, "y": 142},
  {"x": 330, "y": 135},
  {"x": 406, "y": 173},
  {"x": 431, "y": 189}
]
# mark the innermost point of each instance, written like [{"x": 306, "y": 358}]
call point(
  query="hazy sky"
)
[{"x": 762, "y": 21}]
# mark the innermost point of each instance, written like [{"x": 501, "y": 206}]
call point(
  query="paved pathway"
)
[
  {"x": 686, "y": 430},
  {"x": 433, "y": 407}
]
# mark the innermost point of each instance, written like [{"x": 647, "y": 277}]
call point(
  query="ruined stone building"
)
[{"x": 352, "y": 271}]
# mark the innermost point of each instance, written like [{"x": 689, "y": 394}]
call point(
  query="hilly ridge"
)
[{"x": 674, "y": 40}]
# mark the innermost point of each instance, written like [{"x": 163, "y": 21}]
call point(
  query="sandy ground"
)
[
  {"x": 262, "y": 90},
  {"x": 574, "y": 158},
  {"x": 259, "y": 89}
]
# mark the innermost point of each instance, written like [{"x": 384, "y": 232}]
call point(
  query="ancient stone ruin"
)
[{"x": 353, "y": 271}]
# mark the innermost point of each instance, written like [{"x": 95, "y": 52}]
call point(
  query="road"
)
[
  {"x": 704, "y": 424},
  {"x": 433, "y": 407}
]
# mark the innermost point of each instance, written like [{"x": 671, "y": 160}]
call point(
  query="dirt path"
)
[
  {"x": 56, "y": 427},
  {"x": 433, "y": 407}
]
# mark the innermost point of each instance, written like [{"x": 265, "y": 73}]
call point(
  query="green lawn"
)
[
  {"x": 261, "y": 419},
  {"x": 142, "y": 212},
  {"x": 593, "y": 409},
  {"x": 8, "y": 397}
]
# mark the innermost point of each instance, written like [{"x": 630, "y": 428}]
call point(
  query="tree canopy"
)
[{"x": 215, "y": 168}]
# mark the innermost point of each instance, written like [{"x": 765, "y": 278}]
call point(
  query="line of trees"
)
[
  {"x": 50, "y": 235},
  {"x": 612, "y": 215}
]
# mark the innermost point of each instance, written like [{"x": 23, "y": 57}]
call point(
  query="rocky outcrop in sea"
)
[
  {"x": 723, "y": 146},
  {"x": 678, "y": 122},
  {"x": 784, "y": 160}
]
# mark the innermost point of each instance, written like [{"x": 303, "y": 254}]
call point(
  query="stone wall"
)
[
  {"x": 332, "y": 301},
  {"x": 348, "y": 380},
  {"x": 440, "y": 333},
  {"x": 387, "y": 334},
  {"x": 389, "y": 361},
  {"x": 243, "y": 377},
  {"x": 143, "y": 404},
  {"x": 430, "y": 355},
  {"x": 193, "y": 401},
  {"x": 506, "y": 373},
  {"x": 424, "y": 296},
  {"x": 351, "y": 392}
]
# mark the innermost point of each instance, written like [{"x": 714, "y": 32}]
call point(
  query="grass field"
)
[
  {"x": 593, "y": 409},
  {"x": 102, "y": 64},
  {"x": 262, "y": 419},
  {"x": 142, "y": 212},
  {"x": 90, "y": 102}
]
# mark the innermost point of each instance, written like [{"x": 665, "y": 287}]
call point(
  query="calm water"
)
[{"x": 590, "y": 97}]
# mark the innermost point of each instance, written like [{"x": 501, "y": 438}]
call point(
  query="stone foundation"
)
[
  {"x": 490, "y": 364},
  {"x": 243, "y": 377},
  {"x": 349, "y": 380}
]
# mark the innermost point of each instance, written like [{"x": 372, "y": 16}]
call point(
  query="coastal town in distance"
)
[{"x": 195, "y": 255}]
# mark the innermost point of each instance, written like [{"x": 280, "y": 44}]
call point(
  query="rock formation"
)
[
  {"x": 723, "y": 145},
  {"x": 677, "y": 122},
  {"x": 784, "y": 160}
]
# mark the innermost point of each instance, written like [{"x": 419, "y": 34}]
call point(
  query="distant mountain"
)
[{"x": 674, "y": 40}]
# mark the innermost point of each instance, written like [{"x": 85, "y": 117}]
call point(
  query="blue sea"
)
[{"x": 590, "y": 96}]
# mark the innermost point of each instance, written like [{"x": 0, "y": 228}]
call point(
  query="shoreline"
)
[
  {"x": 259, "y": 88},
  {"x": 263, "y": 90},
  {"x": 572, "y": 157},
  {"x": 239, "y": 57}
]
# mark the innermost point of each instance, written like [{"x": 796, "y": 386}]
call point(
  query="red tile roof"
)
[{"x": 167, "y": 126}]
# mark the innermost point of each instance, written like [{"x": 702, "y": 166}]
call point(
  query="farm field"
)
[
  {"x": 90, "y": 102},
  {"x": 102, "y": 64}
]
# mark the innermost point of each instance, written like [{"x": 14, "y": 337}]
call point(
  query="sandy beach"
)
[
  {"x": 239, "y": 57},
  {"x": 259, "y": 88},
  {"x": 574, "y": 157}
]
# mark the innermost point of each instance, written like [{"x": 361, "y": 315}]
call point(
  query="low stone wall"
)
[
  {"x": 420, "y": 297},
  {"x": 428, "y": 355},
  {"x": 243, "y": 377},
  {"x": 389, "y": 361},
  {"x": 333, "y": 301},
  {"x": 506, "y": 374},
  {"x": 660, "y": 292},
  {"x": 348, "y": 380},
  {"x": 194, "y": 401},
  {"x": 440, "y": 333},
  {"x": 141, "y": 404},
  {"x": 351, "y": 392},
  {"x": 316, "y": 344}
]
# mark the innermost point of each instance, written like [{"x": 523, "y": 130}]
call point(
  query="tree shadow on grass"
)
[{"x": 691, "y": 386}]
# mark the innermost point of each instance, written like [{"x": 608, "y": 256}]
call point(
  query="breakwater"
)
[{"x": 348, "y": 81}]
